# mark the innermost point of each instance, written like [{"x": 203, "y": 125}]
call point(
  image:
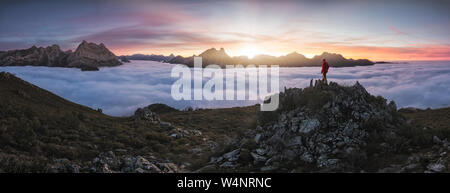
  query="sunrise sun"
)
[{"x": 250, "y": 51}]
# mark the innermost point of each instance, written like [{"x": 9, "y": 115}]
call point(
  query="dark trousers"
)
[{"x": 324, "y": 78}]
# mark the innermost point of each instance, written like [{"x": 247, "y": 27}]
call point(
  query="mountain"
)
[
  {"x": 214, "y": 56},
  {"x": 87, "y": 56},
  {"x": 34, "y": 56},
  {"x": 152, "y": 57},
  {"x": 92, "y": 55}
]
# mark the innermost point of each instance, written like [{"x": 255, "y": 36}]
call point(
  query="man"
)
[{"x": 324, "y": 71}]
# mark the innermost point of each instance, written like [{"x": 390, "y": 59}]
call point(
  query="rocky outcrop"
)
[
  {"x": 92, "y": 55},
  {"x": 88, "y": 56},
  {"x": 146, "y": 114},
  {"x": 327, "y": 128},
  {"x": 109, "y": 162},
  {"x": 124, "y": 59},
  {"x": 160, "y": 108},
  {"x": 34, "y": 56}
]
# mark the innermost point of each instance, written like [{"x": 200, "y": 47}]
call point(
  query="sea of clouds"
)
[{"x": 119, "y": 91}]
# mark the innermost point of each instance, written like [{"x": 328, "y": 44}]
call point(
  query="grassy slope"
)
[
  {"x": 436, "y": 118},
  {"x": 37, "y": 127}
]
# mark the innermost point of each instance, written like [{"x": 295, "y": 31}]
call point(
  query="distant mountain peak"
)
[
  {"x": 293, "y": 59},
  {"x": 86, "y": 55}
]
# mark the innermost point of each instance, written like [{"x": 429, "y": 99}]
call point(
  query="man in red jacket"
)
[{"x": 324, "y": 71}]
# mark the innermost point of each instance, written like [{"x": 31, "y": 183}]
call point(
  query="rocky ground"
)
[
  {"x": 332, "y": 128},
  {"x": 119, "y": 162}
]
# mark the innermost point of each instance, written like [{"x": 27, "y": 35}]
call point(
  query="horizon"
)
[{"x": 378, "y": 31}]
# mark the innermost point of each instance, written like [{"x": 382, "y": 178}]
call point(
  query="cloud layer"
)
[{"x": 121, "y": 90}]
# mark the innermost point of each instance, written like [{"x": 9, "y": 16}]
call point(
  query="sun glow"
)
[{"x": 250, "y": 51}]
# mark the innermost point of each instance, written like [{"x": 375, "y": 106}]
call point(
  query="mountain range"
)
[
  {"x": 87, "y": 56},
  {"x": 90, "y": 56},
  {"x": 220, "y": 57},
  {"x": 151, "y": 57}
]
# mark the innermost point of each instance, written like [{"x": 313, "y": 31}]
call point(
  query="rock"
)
[
  {"x": 169, "y": 167},
  {"x": 411, "y": 167},
  {"x": 176, "y": 135},
  {"x": 295, "y": 141},
  {"x": 391, "y": 169},
  {"x": 257, "y": 138},
  {"x": 436, "y": 167},
  {"x": 258, "y": 158},
  {"x": 436, "y": 140},
  {"x": 153, "y": 168},
  {"x": 146, "y": 114},
  {"x": 92, "y": 55},
  {"x": 159, "y": 108},
  {"x": 268, "y": 168},
  {"x": 308, "y": 125},
  {"x": 141, "y": 162},
  {"x": 261, "y": 151},
  {"x": 110, "y": 163},
  {"x": 207, "y": 168},
  {"x": 139, "y": 170},
  {"x": 196, "y": 150},
  {"x": 165, "y": 124},
  {"x": 329, "y": 127},
  {"x": 232, "y": 155},
  {"x": 228, "y": 164},
  {"x": 216, "y": 159},
  {"x": 124, "y": 59}
]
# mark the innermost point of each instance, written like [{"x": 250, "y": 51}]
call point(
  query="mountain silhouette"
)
[{"x": 221, "y": 58}]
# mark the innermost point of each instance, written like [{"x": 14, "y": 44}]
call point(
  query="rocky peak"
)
[
  {"x": 92, "y": 55},
  {"x": 87, "y": 55},
  {"x": 326, "y": 128},
  {"x": 146, "y": 114}
]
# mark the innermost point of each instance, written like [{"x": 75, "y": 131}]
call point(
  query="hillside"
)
[{"x": 40, "y": 131}]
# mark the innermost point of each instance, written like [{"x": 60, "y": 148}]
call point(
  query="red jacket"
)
[{"x": 325, "y": 67}]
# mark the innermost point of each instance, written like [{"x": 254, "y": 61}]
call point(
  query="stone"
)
[
  {"x": 309, "y": 125},
  {"x": 257, "y": 138},
  {"x": 232, "y": 155},
  {"x": 165, "y": 124},
  {"x": 268, "y": 168},
  {"x": 258, "y": 158},
  {"x": 139, "y": 170},
  {"x": 228, "y": 164},
  {"x": 436, "y": 167},
  {"x": 261, "y": 151},
  {"x": 146, "y": 114}
]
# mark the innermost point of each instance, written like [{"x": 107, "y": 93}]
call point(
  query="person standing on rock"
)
[{"x": 324, "y": 71}]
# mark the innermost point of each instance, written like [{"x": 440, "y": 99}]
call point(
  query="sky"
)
[{"x": 376, "y": 30}]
